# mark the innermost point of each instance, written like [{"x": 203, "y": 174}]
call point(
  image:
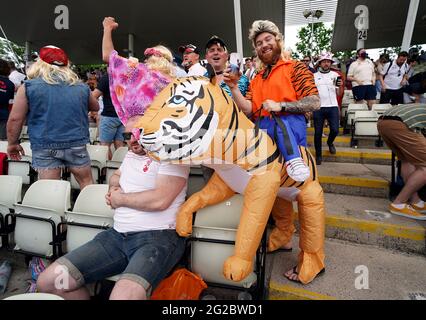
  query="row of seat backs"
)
[{"x": 50, "y": 198}]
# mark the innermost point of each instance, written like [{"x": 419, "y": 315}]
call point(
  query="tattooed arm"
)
[{"x": 306, "y": 104}]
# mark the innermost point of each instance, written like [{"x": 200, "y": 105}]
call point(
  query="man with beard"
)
[
  {"x": 284, "y": 87},
  {"x": 287, "y": 88},
  {"x": 328, "y": 83}
]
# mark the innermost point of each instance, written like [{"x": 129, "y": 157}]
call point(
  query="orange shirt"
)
[{"x": 288, "y": 81}]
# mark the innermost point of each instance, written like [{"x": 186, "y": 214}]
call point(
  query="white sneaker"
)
[{"x": 297, "y": 169}]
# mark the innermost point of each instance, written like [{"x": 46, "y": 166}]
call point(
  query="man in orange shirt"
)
[{"x": 285, "y": 87}]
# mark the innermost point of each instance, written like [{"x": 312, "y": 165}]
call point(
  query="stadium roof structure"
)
[
  {"x": 171, "y": 23},
  {"x": 387, "y": 23}
]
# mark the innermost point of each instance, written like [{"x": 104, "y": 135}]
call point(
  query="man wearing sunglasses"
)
[
  {"x": 143, "y": 245},
  {"x": 393, "y": 78}
]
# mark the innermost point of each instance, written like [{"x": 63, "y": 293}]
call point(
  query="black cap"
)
[
  {"x": 215, "y": 40},
  {"x": 190, "y": 48}
]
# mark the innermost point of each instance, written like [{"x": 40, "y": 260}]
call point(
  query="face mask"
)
[{"x": 363, "y": 55}]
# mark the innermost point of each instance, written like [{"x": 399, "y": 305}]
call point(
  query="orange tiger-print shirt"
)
[{"x": 288, "y": 81}]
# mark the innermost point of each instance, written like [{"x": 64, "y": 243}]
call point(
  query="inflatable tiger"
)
[{"x": 193, "y": 121}]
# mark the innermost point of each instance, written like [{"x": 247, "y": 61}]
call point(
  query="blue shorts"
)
[
  {"x": 367, "y": 92},
  {"x": 110, "y": 129},
  {"x": 75, "y": 157},
  {"x": 143, "y": 257}
]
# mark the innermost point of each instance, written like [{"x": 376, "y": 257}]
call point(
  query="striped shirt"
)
[{"x": 413, "y": 115}]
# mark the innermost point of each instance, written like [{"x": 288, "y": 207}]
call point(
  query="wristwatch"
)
[{"x": 283, "y": 106}]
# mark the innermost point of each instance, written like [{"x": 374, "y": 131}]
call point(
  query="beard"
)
[{"x": 271, "y": 57}]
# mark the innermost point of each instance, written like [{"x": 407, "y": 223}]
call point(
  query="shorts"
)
[
  {"x": 75, "y": 157},
  {"x": 367, "y": 92},
  {"x": 408, "y": 145},
  {"x": 110, "y": 129},
  {"x": 143, "y": 257}
]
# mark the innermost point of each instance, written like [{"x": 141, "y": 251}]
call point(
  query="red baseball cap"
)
[{"x": 54, "y": 55}]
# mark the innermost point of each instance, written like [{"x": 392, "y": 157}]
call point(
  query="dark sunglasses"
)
[{"x": 127, "y": 135}]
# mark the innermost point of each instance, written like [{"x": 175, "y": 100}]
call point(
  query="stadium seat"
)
[
  {"x": 23, "y": 167},
  {"x": 38, "y": 218},
  {"x": 381, "y": 108},
  {"x": 89, "y": 216},
  {"x": 98, "y": 155},
  {"x": 93, "y": 134},
  {"x": 115, "y": 162},
  {"x": 10, "y": 193},
  {"x": 352, "y": 108},
  {"x": 195, "y": 184},
  {"x": 212, "y": 242},
  {"x": 3, "y": 146},
  {"x": 364, "y": 124}
]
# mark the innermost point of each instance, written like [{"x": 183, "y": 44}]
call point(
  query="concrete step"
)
[
  {"x": 311, "y": 131},
  {"x": 345, "y": 141},
  {"x": 368, "y": 180},
  {"x": 360, "y": 155},
  {"x": 368, "y": 221},
  {"x": 386, "y": 275}
]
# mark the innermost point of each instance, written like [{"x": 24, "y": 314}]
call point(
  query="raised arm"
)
[{"x": 107, "y": 44}]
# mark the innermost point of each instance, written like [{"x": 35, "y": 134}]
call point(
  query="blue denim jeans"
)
[
  {"x": 110, "y": 129},
  {"x": 332, "y": 115},
  {"x": 143, "y": 257},
  {"x": 75, "y": 157}
]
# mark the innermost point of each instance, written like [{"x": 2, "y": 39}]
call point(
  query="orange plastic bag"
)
[{"x": 181, "y": 285}]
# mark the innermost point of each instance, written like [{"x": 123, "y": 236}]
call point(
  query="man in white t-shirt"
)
[
  {"x": 329, "y": 85},
  {"x": 191, "y": 60},
  {"x": 393, "y": 77},
  {"x": 15, "y": 76},
  {"x": 143, "y": 246},
  {"x": 363, "y": 76}
]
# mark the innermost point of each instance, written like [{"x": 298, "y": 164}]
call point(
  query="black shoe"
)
[
  {"x": 332, "y": 148},
  {"x": 318, "y": 160}
]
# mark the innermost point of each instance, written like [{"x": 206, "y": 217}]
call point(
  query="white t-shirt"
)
[
  {"x": 363, "y": 71},
  {"x": 17, "y": 78},
  {"x": 197, "y": 70},
  {"x": 395, "y": 75},
  {"x": 326, "y": 84},
  {"x": 139, "y": 173}
]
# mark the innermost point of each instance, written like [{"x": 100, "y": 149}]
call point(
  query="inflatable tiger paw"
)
[
  {"x": 184, "y": 223},
  {"x": 236, "y": 269}
]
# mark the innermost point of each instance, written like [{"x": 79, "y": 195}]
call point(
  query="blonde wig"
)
[
  {"x": 52, "y": 74},
  {"x": 161, "y": 60},
  {"x": 261, "y": 26}
]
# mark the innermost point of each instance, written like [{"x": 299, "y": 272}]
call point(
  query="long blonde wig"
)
[
  {"x": 52, "y": 74},
  {"x": 162, "y": 62},
  {"x": 261, "y": 26}
]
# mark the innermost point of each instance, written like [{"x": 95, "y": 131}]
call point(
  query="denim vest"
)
[{"x": 57, "y": 114}]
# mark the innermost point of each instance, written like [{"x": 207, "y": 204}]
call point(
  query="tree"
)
[
  {"x": 311, "y": 44},
  {"x": 12, "y": 52}
]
